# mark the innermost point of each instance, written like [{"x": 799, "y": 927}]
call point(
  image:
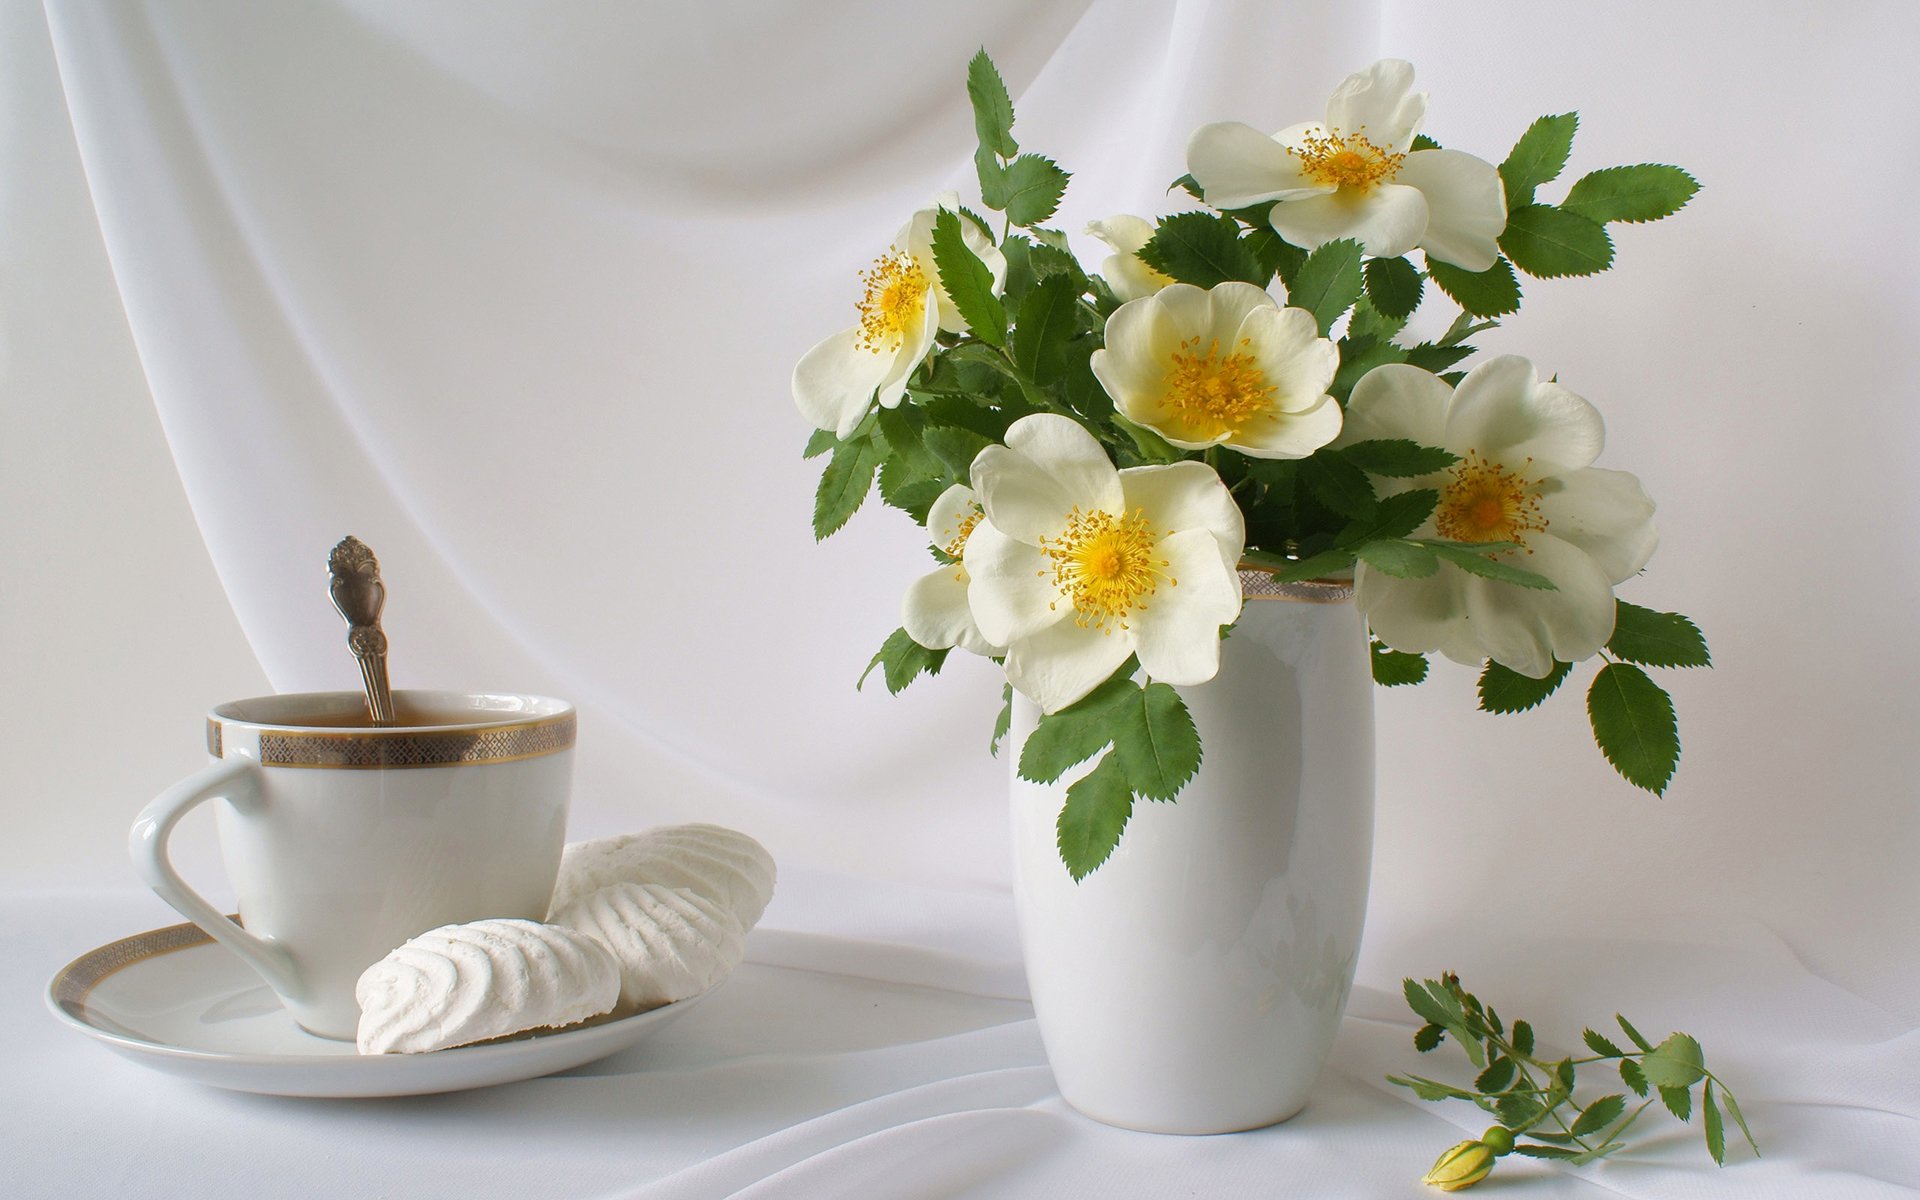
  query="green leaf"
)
[
  {"x": 1202, "y": 249},
  {"x": 1475, "y": 561},
  {"x": 1005, "y": 722},
  {"x": 968, "y": 282},
  {"x": 909, "y": 493},
  {"x": 1393, "y": 284},
  {"x": 1398, "y": 458},
  {"x": 992, "y": 106},
  {"x": 1627, "y": 1028},
  {"x": 1328, "y": 283},
  {"x": 1646, "y": 192},
  {"x": 1427, "y": 1037},
  {"x": 1327, "y": 563},
  {"x": 1430, "y": 357},
  {"x": 1392, "y": 668},
  {"x": 1633, "y": 722},
  {"x": 1539, "y": 156},
  {"x": 1496, "y": 1077},
  {"x": 1401, "y": 559},
  {"x": 1422, "y": 142},
  {"x": 1048, "y": 320},
  {"x": 1633, "y": 1076},
  {"x": 1424, "y": 1005},
  {"x": 1733, "y": 1110},
  {"x": 1275, "y": 254},
  {"x": 1598, "y": 1152},
  {"x": 1656, "y": 639},
  {"x": 1598, "y": 1043},
  {"x": 1034, "y": 187},
  {"x": 1096, "y": 812},
  {"x": 819, "y": 442},
  {"x": 1675, "y": 1063},
  {"x": 1370, "y": 321},
  {"x": 955, "y": 447},
  {"x": 1679, "y": 1102},
  {"x": 1533, "y": 1151},
  {"x": 903, "y": 430},
  {"x": 1548, "y": 242},
  {"x": 1156, "y": 743},
  {"x": 1517, "y": 1110},
  {"x": 1503, "y": 690},
  {"x": 1523, "y": 1037},
  {"x": 1430, "y": 1089},
  {"x": 1487, "y": 293},
  {"x": 1064, "y": 739},
  {"x": 1339, "y": 485},
  {"x": 1395, "y": 516},
  {"x": 1716, "y": 1130},
  {"x": 901, "y": 661},
  {"x": 993, "y": 179},
  {"x": 843, "y": 485},
  {"x": 1599, "y": 1114}
]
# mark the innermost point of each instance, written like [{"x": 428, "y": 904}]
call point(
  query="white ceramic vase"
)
[{"x": 1194, "y": 982}]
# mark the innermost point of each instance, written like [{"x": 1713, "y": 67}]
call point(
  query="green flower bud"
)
[
  {"x": 1461, "y": 1167},
  {"x": 1499, "y": 1139}
]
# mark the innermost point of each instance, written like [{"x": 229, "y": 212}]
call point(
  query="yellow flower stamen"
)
[
  {"x": 957, "y": 548},
  {"x": 1211, "y": 394},
  {"x": 1485, "y": 502},
  {"x": 1106, "y": 565},
  {"x": 896, "y": 295},
  {"x": 1350, "y": 163}
]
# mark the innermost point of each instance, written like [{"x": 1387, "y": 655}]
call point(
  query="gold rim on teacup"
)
[{"x": 292, "y": 730}]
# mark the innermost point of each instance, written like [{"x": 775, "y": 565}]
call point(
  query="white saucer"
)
[{"x": 174, "y": 1000}]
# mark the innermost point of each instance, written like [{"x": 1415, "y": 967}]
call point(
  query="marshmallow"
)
[
  {"x": 671, "y": 943},
  {"x": 723, "y": 865},
  {"x": 467, "y": 983}
]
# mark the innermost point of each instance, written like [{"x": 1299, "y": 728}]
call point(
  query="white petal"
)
[
  {"x": 1415, "y": 615},
  {"x": 1177, "y": 632},
  {"x": 1010, "y": 587},
  {"x": 1291, "y": 434},
  {"x": 833, "y": 383},
  {"x": 935, "y": 613},
  {"x": 1386, "y": 220},
  {"x": 1236, "y": 165},
  {"x": 1380, "y": 102},
  {"x": 1229, "y": 305},
  {"x": 1064, "y": 662},
  {"x": 1286, "y": 345},
  {"x": 915, "y": 340},
  {"x": 1183, "y": 496},
  {"x": 1607, "y": 514},
  {"x": 1525, "y": 629},
  {"x": 1502, "y": 410},
  {"x": 1466, "y": 206},
  {"x": 916, "y": 237},
  {"x": 1050, "y": 466},
  {"x": 1397, "y": 401},
  {"x": 1129, "y": 275},
  {"x": 1124, "y": 232},
  {"x": 954, "y": 505}
]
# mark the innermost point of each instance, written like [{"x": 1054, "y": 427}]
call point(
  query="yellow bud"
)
[{"x": 1461, "y": 1167}]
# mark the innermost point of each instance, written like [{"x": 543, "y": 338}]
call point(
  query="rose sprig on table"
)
[
  {"x": 1093, "y": 454},
  {"x": 1532, "y": 1096}
]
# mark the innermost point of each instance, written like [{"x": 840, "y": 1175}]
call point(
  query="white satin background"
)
[{"x": 513, "y": 294}]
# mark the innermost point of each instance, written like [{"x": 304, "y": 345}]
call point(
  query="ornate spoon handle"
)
[{"x": 358, "y": 593}]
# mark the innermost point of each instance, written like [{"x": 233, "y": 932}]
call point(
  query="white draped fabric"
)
[{"x": 513, "y": 291}]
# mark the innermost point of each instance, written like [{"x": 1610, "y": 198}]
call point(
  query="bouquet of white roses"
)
[{"x": 1097, "y": 456}]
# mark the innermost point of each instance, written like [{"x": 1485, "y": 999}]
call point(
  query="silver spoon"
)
[{"x": 358, "y": 593}]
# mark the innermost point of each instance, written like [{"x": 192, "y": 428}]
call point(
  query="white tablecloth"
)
[{"x": 857, "y": 1055}]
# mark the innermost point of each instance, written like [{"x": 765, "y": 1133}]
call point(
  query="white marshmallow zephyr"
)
[
  {"x": 721, "y": 864},
  {"x": 671, "y": 942},
  {"x": 467, "y": 983}
]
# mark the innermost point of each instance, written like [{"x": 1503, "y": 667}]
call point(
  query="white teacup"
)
[{"x": 343, "y": 840}]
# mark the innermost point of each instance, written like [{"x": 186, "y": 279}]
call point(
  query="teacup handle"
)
[{"x": 237, "y": 780}]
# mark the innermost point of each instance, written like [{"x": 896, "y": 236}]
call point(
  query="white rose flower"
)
[
  {"x": 1128, "y": 273},
  {"x": 935, "y": 611},
  {"x": 1357, "y": 176},
  {"x": 1223, "y": 366},
  {"x": 901, "y": 308},
  {"x": 1523, "y": 476},
  {"x": 1077, "y": 565}
]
